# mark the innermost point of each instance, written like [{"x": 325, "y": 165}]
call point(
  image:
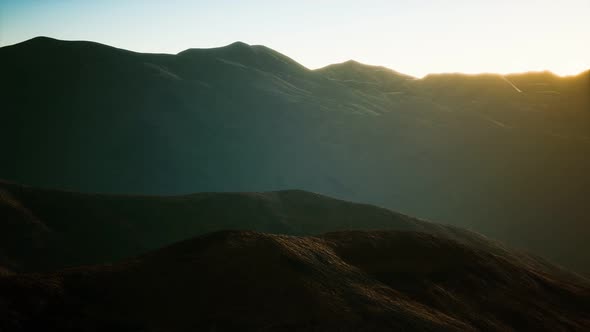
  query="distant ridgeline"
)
[
  {"x": 180, "y": 263},
  {"x": 506, "y": 156}
]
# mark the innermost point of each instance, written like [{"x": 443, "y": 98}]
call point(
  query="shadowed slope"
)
[
  {"x": 470, "y": 150},
  {"x": 357, "y": 74},
  {"x": 46, "y": 229},
  {"x": 344, "y": 281}
]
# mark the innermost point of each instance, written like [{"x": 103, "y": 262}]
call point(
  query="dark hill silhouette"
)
[
  {"x": 48, "y": 229},
  {"x": 358, "y": 75},
  {"x": 242, "y": 54},
  {"x": 345, "y": 281},
  {"x": 44, "y": 230},
  {"x": 464, "y": 149}
]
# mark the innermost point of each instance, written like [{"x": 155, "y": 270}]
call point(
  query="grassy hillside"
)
[
  {"x": 45, "y": 230},
  {"x": 504, "y": 156},
  {"x": 48, "y": 229},
  {"x": 346, "y": 281}
]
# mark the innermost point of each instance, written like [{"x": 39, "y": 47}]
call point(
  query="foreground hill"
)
[
  {"x": 506, "y": 156},
  {"x": 345, "y": 281},
  {"x": 47, "y": 229}
]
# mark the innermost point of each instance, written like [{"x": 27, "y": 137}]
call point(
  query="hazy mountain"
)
[
  {"x": 50, "y": 229},
  {"x": 503, "y": 155},
  {"x": 345, "y": 281}
]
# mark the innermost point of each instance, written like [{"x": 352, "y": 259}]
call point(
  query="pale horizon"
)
[
  {"x": 368, "y": 64},
  {"x": 414, "y": 38}
]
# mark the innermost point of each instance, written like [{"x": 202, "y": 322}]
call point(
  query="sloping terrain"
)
[
  {"x": 48, "y": 229},
  {"x": 44, "y": 230},
  {"x": 345, "y": 281},
  {"x": 506, "y": 156}
]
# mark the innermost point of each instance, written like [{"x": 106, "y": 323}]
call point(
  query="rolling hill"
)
[
  {"x": 344, "y": 281},
  {"x": 506, "y": 156},
  {"x": 44, "y": 230}
]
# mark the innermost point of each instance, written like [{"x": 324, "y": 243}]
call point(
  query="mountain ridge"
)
[
  {"x": 346, "y": 281},
  {"x": 241, "y": 44},
  {"x": 44, "y": 230},
  {"x": 458, "y": 151}
]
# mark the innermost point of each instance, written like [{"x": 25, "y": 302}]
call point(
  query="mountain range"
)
[
  {"x": 502, "y": 155},
  {"x": 88, "y": 262},
  {"x": 45, "y": 230}
]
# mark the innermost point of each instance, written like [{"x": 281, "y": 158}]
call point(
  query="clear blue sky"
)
[{"x": 411, "y": 36}]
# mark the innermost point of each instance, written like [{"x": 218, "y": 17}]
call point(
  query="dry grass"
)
[{"x": 346, "y": 281}]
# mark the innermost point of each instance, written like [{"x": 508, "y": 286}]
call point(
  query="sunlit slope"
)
[{"x": 505, "y": 156}]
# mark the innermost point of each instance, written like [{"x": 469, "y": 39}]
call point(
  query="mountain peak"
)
[
  {"x": 37, "y": 41},
  {"x": 353, "y": 70},
  {"x": 238, "y": 44},
  {"x": 352, "y": 62},
  {"x": 40, "y": 39},
  {"x": 256, "y": 56}
]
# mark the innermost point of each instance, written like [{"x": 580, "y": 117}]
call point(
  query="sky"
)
[{"x": 415, "y": 37}]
